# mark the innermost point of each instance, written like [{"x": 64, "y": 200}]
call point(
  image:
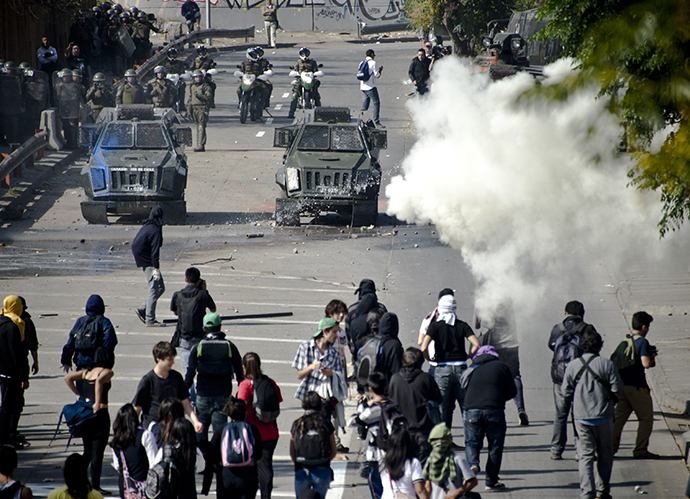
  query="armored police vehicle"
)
[
  {"x": 330, "y": 165},
  {"x": 136, "y": 161}
]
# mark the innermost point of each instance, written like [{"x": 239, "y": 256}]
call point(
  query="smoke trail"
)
[{"x": 528, "y": 191}]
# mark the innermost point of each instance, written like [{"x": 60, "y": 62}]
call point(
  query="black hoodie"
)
[
  {"x": 410, "y": 388},
  {"x": 390, "y": 361},
  {"x": 148, "y": 241},
  {"x": 491, "y": 384},
  {"x": 356, "y": 320}
]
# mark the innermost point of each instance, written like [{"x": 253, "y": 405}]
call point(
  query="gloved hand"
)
[{"x": 157, "y": 275}]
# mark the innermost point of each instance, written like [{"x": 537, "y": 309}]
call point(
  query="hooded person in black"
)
[
  {"x": 146, "y": 250},
  {"x": 356, "y": 320},
  {"x": 391, "y": 357},
  {"x": 84, "y": 359},
  {"x": 410, "y": 388}
]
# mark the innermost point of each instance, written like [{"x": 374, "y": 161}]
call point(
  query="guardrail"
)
[
  {"x": 364, "y": 29},
  {"x": 159, "y": 56},
  {"x": 22, "y": 156}
]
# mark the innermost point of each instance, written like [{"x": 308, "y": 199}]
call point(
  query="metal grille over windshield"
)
[
  {"x": 314, "y": 138},
  {"x": 346, "y": 138},
  {"x": 150, "y": 136},
  {"x": 118, "y": 136}
]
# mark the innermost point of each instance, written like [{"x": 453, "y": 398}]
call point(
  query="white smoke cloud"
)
[{"x": 526, "y": 191}]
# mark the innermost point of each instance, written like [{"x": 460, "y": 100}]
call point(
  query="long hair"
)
[
  {"x": 76, "y": 477},
  {"x": 183, "y": 442},
  {"x": 125, "y": 427},
  {"x": 400, "y": 449},
  {"x": 312, "y": 420},
  {"x": 252, "y": 363},
  {"x": 170, "y": 410}
]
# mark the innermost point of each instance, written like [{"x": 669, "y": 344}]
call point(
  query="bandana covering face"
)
[
  {"x": 441, "y": 463},
  {"x": 446, "y": 309},
  {"x": 12, "y": 309}
]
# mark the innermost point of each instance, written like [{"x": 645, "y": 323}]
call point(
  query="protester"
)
[
  {"x": 270, "y": 13},
  {"x": 77, "y": 484},
  {"x": 355, "y": 324},
  {"x": 89, "y": 332},
  {"x": 589, "y": 385},
  {"x": 9, "y": 487},
  {"x": 75, "y": 60},
  {"x": 419, "y": 72},
  {"x": 239, "y": 481},
  {"x": 488, "y": 389},
  {"x": 260, "y": 390},
  {"x": 635, "y": 396},
  {"x": 215, "y": 359},
  {"x": 448, "y": 472},
  {"x": 369, "y": 90},
  {"x": 14, "y": 371},
  {"x": 312, "y": 447},
  {"x": 146, "y": 250},
  {"x": 47, "y": 57},
  {"x": 564, "y": 338},
  {"x": 93, "y": 384},
  {"x": 449, "y": 334},
  {"x": 424, "y": 327},
  {"x": 401, "y": 471},
  {"x": 134, "y": 450},
  {"x": 337, "y": 310},
  {"x": 159, "y": 383},
  {"x": 316, "y": 360}
]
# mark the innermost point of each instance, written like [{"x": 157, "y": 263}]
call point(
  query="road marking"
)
[
  {"x": 269, "y": 121},
  {"x": 261, "y": 133},
  {"x": 286, "y": 95},
  {"x": 278, "y": 107}
]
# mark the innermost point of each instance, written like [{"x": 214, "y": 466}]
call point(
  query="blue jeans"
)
[
  {"x": 156, "y": 289},
  {"x": 447, "y": 378},
  {"x": 375, "y": 485},
  {"x": 184, "y": 350},
  {"x": 208, "y": 410},
  {"x": 316, "y": 477},
  {"x": 492, "y": 424},
  {"x": 372, "y": 95}
]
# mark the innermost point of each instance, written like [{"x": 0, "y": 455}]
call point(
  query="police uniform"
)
[
  {"x": 174, "y": 66},
  {"x": 69, "y": 95},
  {"x": 198, "y": 105},
  {"x": 308, "y": 65},
  {"x": 162, "y": 92},
  {"x": 142, "y": 32},
  {"x": 130, "y": 94},
  {"x": 249, "y": 67},
  {"x": 204, "y": 63},
  {"x": 99, "y": 96},
  {"x": 268, "y": 91}
]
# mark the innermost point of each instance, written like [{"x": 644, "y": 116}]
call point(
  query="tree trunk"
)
[{"x": 460, "y": 45}]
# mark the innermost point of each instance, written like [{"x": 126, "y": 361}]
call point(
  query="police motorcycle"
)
[
  {"x": 305, "y": 82},
  {"x": 252, "y": 98}
]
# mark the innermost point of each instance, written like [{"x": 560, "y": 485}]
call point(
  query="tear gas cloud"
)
[{"x": 530, "y": 192}]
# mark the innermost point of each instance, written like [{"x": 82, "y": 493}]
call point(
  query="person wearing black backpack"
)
[
  {"x": 355, "y": 323},
  {"x": 9, "y": 487},
  {"x": 563, "y": 334},
  {"x": 89, "y": 332},
  {"x": 312, "y": 448},
  {"x": 263, "y": 399}
]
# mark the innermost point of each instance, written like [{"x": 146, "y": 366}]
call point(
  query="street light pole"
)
[{"x": 208, "y": 20}]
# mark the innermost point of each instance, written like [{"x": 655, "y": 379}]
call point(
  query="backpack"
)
[
  {"x": 466, "y": 376},
  {"x": 391, "y": 418},
  {"x": 367, "y": 359},
  {"x": 625, "y": 354},
  {"x": 310, "y": 448},
  {"x": 363, "y": 71},
  {"x": 566, "y": 349},
  {"x": 11, "y": 491},
  {"x": 213, "y": 369},
  {"x": 266, "y": 402},
  {"x": 74, "y": 416},
  {"x": 88, "y": 337},
  {"x": 162, "y": 480},
  {"x": 237, "y": 447}
]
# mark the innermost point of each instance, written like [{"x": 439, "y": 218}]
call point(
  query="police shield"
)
[
  {"x": 11, "y": 102},
  {"x": 36, "y": 88},
  {"x": 70, "y": 99},
  {"x": 125, "y": 41}
]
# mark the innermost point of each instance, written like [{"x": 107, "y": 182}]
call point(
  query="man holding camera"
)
[{"x": 635, "y": 395}]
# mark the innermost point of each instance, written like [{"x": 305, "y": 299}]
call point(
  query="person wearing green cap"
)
[
  {"x": 316, "y": 358},
  {"x": 449, "y": 473},
  {"x": 215, "y": 359}
]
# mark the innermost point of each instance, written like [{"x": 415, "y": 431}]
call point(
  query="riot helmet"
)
[
  {"x": 159, "y": 70},
  {"x": 197, "y": 73},
  {"x": 76, "y": 75},
  {"x": 151, "y": 17},
  {"x": 131, "y": 76},
  {"x": 99, "y": 78},
  {"x": 133, "y": 10},
  {"x": 117, "y": 7},
  {"x": 65, "y": 73},
  {"x": 106, "y": 5},
  {"x": 201, "y": 49},
  {"x": 142, "y": 15},
  {"x": 304, "y": 53},
  {"x": 24, "y": 65},
  {"x": 251, "y": 54},
  {"x": 124, "y": 16},
  {"x": 259, "y": 51},
  {"x": 172, "y": 53}
]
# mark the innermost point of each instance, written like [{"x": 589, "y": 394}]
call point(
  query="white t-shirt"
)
[
  {"x": 464, "y": 474},
  {"x": 413, "y": 473},
  {"x": 373, "y": 72}
]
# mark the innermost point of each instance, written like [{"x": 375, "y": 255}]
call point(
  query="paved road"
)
[{"x": 56, "y": 261}]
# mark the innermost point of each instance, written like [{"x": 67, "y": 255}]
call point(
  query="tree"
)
[
  {"x": 465, "y": 20},
  {"x": 638, "y": 52}
]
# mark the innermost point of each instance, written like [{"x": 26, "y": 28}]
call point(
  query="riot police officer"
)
[
  {"x": 203, "y": 61},
  {"x": 70, "y": 97},
  {"x": 11, "y": 102},
  {"x": 304, "y": 64},
  {"x": 131, "y": 92},
  {"x": 36, "y": 92},
  {"x": 161, "y": 90},
  {"x": 198, "y": 106},
  {"x": 250, "y": 66},
  {"x": 174, "y": 66},
  {"x": 99, "y": 96},
  {"x": 265, "y": 66}
]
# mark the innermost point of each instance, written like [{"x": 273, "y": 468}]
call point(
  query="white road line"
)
[
  {"x": 261, "y": 133},
  {"x": 286, "y": 95},
  {"x": 278, "y": 107},
  {"x": 269, "y": 121}
]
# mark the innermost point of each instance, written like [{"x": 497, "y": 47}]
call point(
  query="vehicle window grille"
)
[
  {"x": 317, "y": 179},
  {"x": 336, "y": 179},
  {"x": 327, "y": 180},
  {"x": 308, "y": 180},
  {"x": 345, "y": 179}
]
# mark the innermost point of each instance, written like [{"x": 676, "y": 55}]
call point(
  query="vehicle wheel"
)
[
  {"x": 255, "y": 109},
  {"x": 307, "y": 99},
  {"x": 94, "y": 213},
  {"x": 287, "y": 214},
  {"x": 365, "y": 214},
  {"x": 244, "y": 108},
  {"x": 175, "y": 213}
]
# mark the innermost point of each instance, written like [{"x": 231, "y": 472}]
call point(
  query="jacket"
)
[
  {"x": 491, "y": 384},
  {"x": 570, "y": 323},
  {"x": 147, "y": 245},
  {"x": 199, "y": 95},
  {"x": 419, "y": 70},
  {"x": 215, "y": 359},
  {"x": 410, "y": 388},
  {"x": 590, "y": 398},
  {"x": 355, "y": 323},
  {"x": 270, "y": 13},
  {"x": 390, "y": 361},
  {"x": 130, "y": 94},
  {"x": 84, "y": 360},
  {"x": 13, "y": 360},
  {"x": 190, "y": 304}
]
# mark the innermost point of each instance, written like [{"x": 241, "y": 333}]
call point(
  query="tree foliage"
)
[{"x": 639, "y": 54}]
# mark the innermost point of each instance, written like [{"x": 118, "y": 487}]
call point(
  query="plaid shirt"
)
[{"x": 307, "y": 353}]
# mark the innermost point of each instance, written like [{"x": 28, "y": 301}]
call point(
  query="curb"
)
[{"x": 14, "y": 209}]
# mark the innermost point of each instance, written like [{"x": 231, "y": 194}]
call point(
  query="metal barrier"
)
[
  {"x": 22, "y": 156},
  {"x": 159, "y": 56},
  {"x": 364, "y": 29}
]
